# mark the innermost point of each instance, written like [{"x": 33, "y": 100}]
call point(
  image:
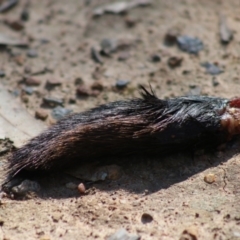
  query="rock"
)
[
  {"x": 195, "y": 90},
  {"x": 53, "y": 82},
  {"x": 120, "y": 7},
  {"x": 32, "y": 53},
  {"x": 60, "y": 112},
  {"x": 155, "y": 58},
  {"x": 16, "y": 25},
  {"x": 32, "y": 81},
  {"x": 56, "y": 216},
  {"x": 71, "y": 100},
  {"x": 19, "y": 59},
  {"x": 41, "y": 114},
  {"x": 7, "y": 5},
  {"x": 98, "y": 72},
  {"x": 25, "y": 187},
  {"x": 78, "y": 81},
  {"x": 2, "y": 73},
  {"x": 189, "y": 44},
  {"x": 83, "y": 91},
  {"x": 96, "y": 56},
  {"x": 95, "y": 93},
  {"x": 215, "y": 82},
  {"x": 122, "y": 234},
  {"x": 171, "y": 37},
  {"x": 25, "y": 98},
  {"x": 146, "y": 218},
  {"x": 130, "y": 22},
  {"x": 212, "y": 68},
  {"x": 210, "y": 178},
  {"x": 99, "y": 173},
  {"x": 81, "y": 188},
  {"x": 25, "y": 14},
  {"x": 123, "y": 55},
  {"x": 28, "y": 90},
  {"x": 174, "y": 62},
  {"x": 12, "y": 41},
  {"x": 108, "y": 46},
  {"x": 121, "y": 84},
  {"x": 226, "y": 34},
  {"x": 52, "y": 101},
  {"x": 71, "y": 185},
  {"x": 190, "y": 233},
  {"x": 97, "y": 86},
  {"x": 27, "y": 70},
  {"x": 114, "y": 172}
]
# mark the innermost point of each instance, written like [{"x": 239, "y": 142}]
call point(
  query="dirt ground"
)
[{"x": 165, "y": 198}]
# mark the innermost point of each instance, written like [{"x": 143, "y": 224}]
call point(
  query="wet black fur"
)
[{"x": 143, "y": 126}]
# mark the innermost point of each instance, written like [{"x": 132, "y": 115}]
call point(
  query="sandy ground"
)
[{"x": 165, "y": 198}]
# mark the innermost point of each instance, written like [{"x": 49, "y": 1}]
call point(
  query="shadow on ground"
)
[{"x": 139, "y": 175}]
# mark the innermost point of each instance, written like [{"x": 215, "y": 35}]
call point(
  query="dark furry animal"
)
[{"x": 143, "y": 126}]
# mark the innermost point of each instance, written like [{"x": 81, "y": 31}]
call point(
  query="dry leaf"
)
[{"x": 15, "y": 122}]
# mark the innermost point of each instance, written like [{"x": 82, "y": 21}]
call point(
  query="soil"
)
[{"x": 172, "y": 197}]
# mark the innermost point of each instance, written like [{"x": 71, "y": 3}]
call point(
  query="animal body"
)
[{"x": 143, "y": 126}]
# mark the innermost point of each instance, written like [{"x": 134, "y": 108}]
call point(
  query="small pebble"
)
[
  {"x": 44, "y": 41},
  {"x": 195, "y": 90},
  {"x": 190, "y": 233},
  {"x": 32, "y": 53},
  {"x": 41, "y": 114},
  {"x": 215, "y": 82},
  {"x": 51, "y": 101},
  {"x": 26, "y": 186},
  {"x": 108, "y": 46},
  {"x": 189, "y": 44},
  {"x": 72, "y": 100},
  {"x": 2, "y": 73},
  {"x": 83, "y": 91},
  {"x": 94, "y": 93},
  {"x": 174, "y": 62},
  {"x": 53, "y": 82},
  {"x": 146, "y": 218},
  {"x": 122, "y": 234},
  {"x": 123, "y": 55},
  {"x": 121, "y": 84},
  {"x": 130, "y": 22},
  {"x": 19, "y": 59},
  {"x": 155, "y": 58},
  {"x": 71, "y": 185},
  {"x": 114, "y": 172},
  {"x": 27, "y": 70},
  {"x": 25, "y": 15},
  {"x": 171, "y": 37},
  {"x": 96, "y": 56},
  {"x": 210, "y": 178},
  {"x": 16, "y": 25},
  {"x": 60, "y": 112},
  {"x": 212, "y": 68},
  {"x": 78, "y": 81},
  {"x": 226, "y": 34},
  {"x": 28, "y": 90},
  {"x": 56, "y": 216},
  {"x": 81, "y": 188},
  {"x": 25, "y": 98},
  {"x": 97, "y": 86},
  {"x": 32, "y": 81}
]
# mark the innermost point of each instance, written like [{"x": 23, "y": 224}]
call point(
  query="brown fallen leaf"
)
[{"x": 16, "y": 123}]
